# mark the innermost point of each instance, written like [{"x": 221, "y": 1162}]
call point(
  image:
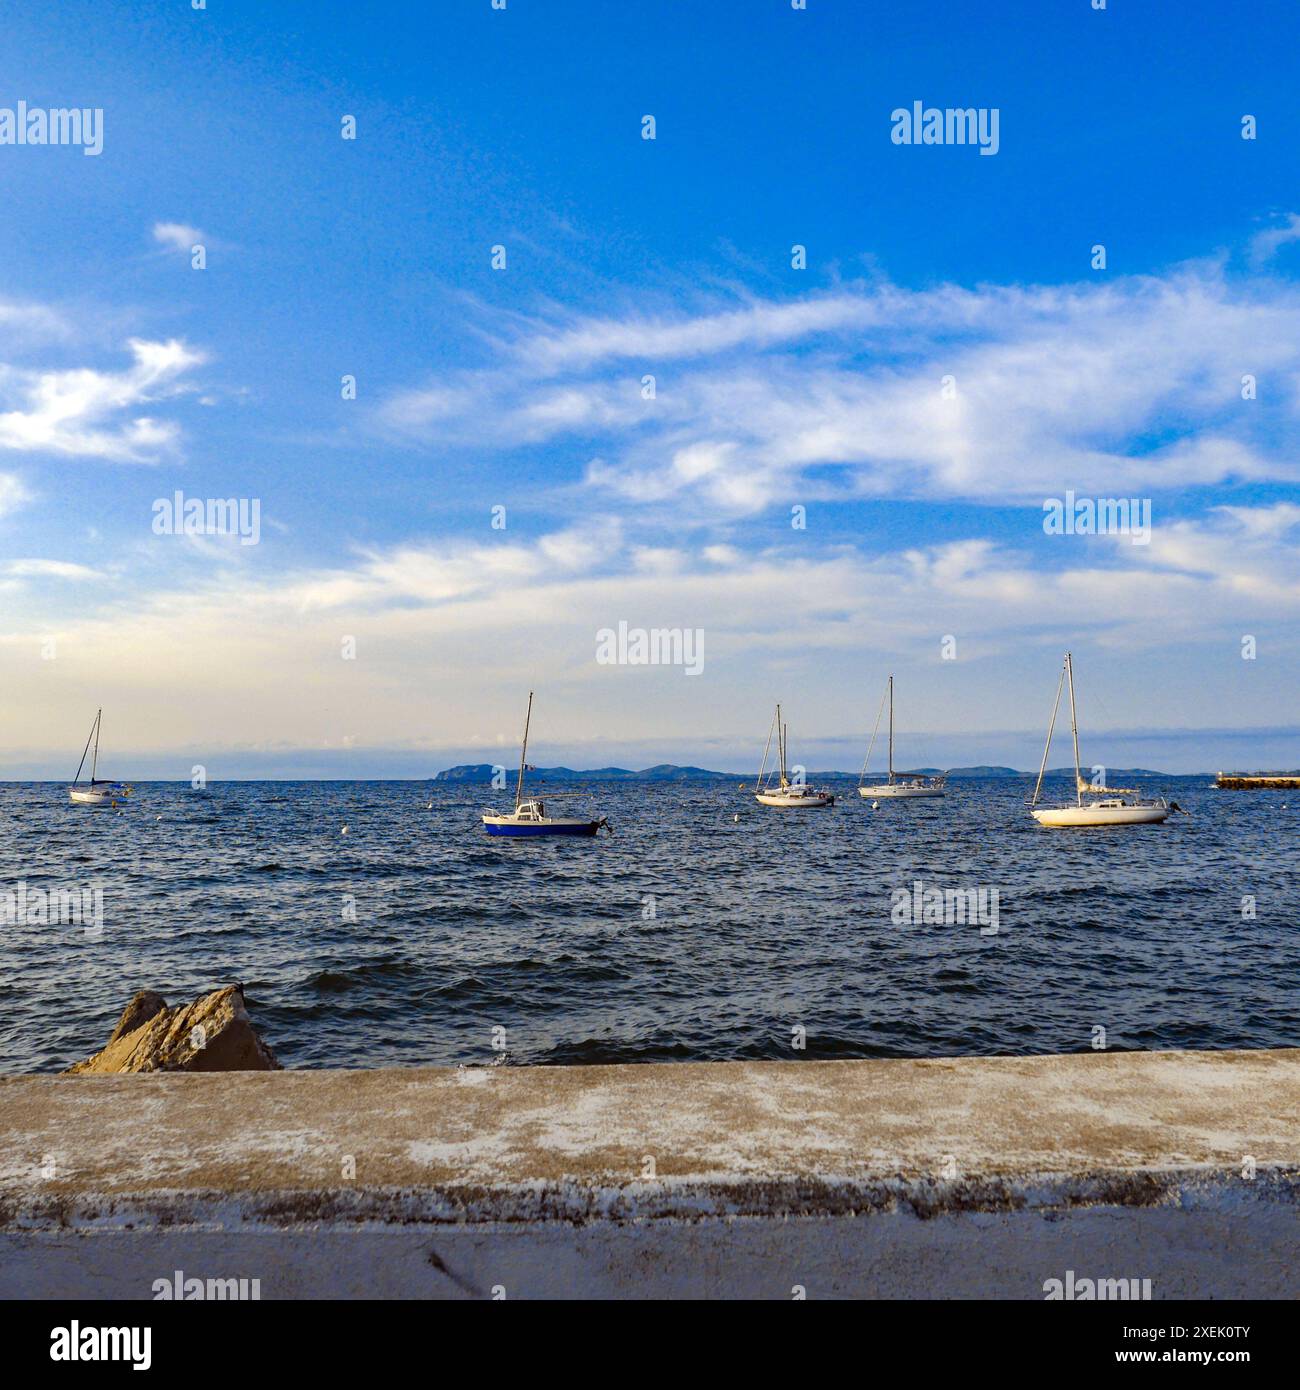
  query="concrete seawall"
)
[{"x": 963, "y": 1177}]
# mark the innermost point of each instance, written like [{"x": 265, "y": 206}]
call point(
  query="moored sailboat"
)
[
  {"x": 898, "y": 785},
  {"x": 783, "y": 793},
  {"x": 529, "y": 817},
  {"x": 95, "y": 792},
  {"x": 1108, "y": 805}
]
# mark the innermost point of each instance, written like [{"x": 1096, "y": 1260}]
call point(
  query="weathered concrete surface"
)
[
  {"x": 212, "y": 1034},
  {"x": 965, "y": 1177}
]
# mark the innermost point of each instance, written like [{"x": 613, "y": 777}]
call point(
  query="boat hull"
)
[
  {"x": 792, "y": 803},
  {"x": 108, "y": 800},
  {"x": 528, "y": 830},
  {"x": 1101, "y": 815},
  {"x": 898, "y": 791}
]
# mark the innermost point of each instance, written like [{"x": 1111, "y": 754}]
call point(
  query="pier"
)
[{"x": 1249, "y": 781}]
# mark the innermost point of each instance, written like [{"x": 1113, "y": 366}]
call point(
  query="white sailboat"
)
[
  {"x": 96, "y": 793},
  {"x": 1110, "y": 805},
  {"x": 529, "y": 817},
  {"x": 783, "y": 793},
  {"x": 899, "y": 784}
]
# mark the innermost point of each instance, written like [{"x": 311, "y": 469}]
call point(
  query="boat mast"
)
[
  {"x": 86, "y": 749},
  {"x": 94, "y": 766},
  {"x": 767, "y": 748},
  {"x": 523, "y": 756},
  {"x": 1051, "y": 725},
  {"x": 879, "y": 713},
  {"x": 891, "y": 728},
  {"x": 780, "y": 742},
  {"x": 1074, "y": 729}
]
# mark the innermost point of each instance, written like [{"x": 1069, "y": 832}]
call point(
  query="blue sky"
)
[{"x": 521, "y": 387}]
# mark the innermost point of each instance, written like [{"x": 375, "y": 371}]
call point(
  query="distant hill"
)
[
  {"x": 471, "y": 773},
  {"x": 1117, "y": 776},
  {"x": 983, "y": 770},
  {"x": 663, "y": 772}
]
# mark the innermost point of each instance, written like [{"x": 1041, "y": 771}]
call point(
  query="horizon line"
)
[{"x": 634, "y": 772}]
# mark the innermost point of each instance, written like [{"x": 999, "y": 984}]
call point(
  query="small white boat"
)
[
  {"x": 1110, "y": 810},
  {"x": 529, "y": 818},
  {"x": 794, "y": 797},
  {"x": 109, "y": 795},
  {"x": 899, "y": 784},
  {"x": 783, "y": 793},
  {"x": 1108, "y": 805}
]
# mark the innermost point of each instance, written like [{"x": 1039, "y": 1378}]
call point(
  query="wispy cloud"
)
[
  {"x": 48, "y": 569},
  {"x": 35, "y": 320},
  {"x": 1266, "y": 244},
  {"x": 987, "y": 394},
  {"x": 459, "y": 628},
  {"x": 439, "y": 575},
  {"x": 12, "y": 494},
  {"x": 87, "y": 412},
  {"x": 177, "y": 236}
]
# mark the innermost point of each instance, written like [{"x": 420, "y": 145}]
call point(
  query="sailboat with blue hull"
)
[{"x": 529, "y": 818}]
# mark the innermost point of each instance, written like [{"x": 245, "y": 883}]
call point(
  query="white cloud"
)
[
  {"x": 86, "y": 412},
  {"x": 1125, "y": 386},
  {"x": 48, "y": 569},
  {"x": 1243, "y": 559},
  {"x": 449, "y": 634},
  {"x": 178, "y": 236},
  {"x": 443, "y": 574},
  {"x": 586, "y": 341},
  {"x": 1266, "y": 244},
  {"x": 12, "y": 494},
  {"x": 34, "y": 320},
  {"x": 1122, "y": 384}
]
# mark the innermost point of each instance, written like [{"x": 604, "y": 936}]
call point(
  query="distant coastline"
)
[
  {"x": 480, "y": 774},
  {"x": 475, "y": 773}
]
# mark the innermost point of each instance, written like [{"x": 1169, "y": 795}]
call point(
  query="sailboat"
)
[
  {"x": 1111, "y": 805},
  {"x": 784, "y": 793},
  {"x": 898, "y": 785},
  {"x": 529, "y": 816},
  {"x": 95, "y": 792}
]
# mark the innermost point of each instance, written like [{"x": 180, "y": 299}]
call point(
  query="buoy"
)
[
  {"x": 875, "y": 805},
  {"x": 737, "y": 817},
  {"x": 429, "y": 807},
  {"x": 344, "y": 831}
]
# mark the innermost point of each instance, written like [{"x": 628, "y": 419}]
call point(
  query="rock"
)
[
  {"x": 137, "y": 1013},
  {"x": 212, "y": 1034}
]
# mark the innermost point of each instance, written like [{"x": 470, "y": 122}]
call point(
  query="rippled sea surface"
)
[{"x": 687, "y": 934}]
